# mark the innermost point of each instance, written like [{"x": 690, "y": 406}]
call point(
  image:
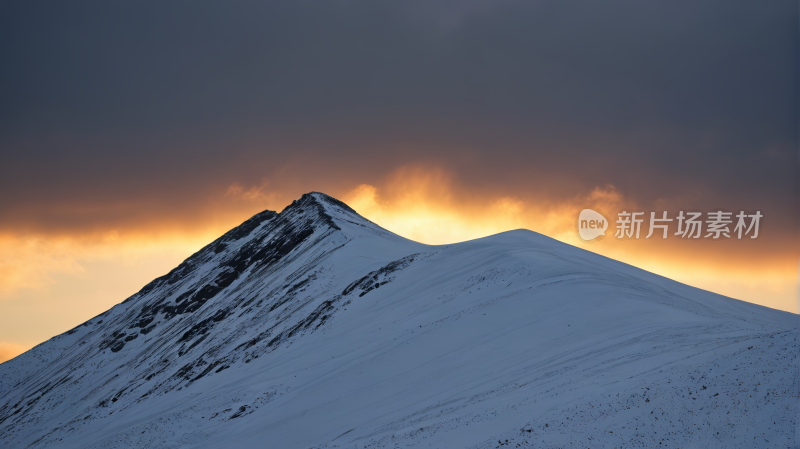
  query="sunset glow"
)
[
  {"x": 441, "y": 122},
  {"x": 65, "y": 279}
]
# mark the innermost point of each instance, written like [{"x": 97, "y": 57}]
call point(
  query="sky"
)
[{"x": 132, "y": 133}]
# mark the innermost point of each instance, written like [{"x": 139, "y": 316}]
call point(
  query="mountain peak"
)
[
  {"x": 312, "y": 226},
  {"x": 265, "y": 237},
  {"x": 323, "y": 200},
  {"x": 319, "y": 203},
  {"x": 317, "y": 315},
  {"x": 331, "y": 211}
]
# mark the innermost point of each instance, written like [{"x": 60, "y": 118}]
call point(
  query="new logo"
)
[{"x": 591, "y": 224}]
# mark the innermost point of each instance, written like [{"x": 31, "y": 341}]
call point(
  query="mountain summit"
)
[{"x": 315, "y": 327}]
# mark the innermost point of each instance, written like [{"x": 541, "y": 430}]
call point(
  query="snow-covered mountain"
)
[{"x": 315, "y": 327}]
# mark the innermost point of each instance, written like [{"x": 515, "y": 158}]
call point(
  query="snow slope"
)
[{"x": 315, "y": 327}]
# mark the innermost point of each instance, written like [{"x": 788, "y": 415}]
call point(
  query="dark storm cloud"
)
[{"x": 143, "y": 105}]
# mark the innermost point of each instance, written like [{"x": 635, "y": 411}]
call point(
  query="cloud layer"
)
[{"x": 170, "y": 122}]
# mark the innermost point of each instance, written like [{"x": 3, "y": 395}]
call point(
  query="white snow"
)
[{"x": 512, "y": 340}]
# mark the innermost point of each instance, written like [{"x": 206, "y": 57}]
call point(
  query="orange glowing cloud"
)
[
  {"x": 259, "y": 193},
  {"x": 53, "y": 281},
  {"x": 33, "y": 261},
  {"x": 426, "y": 205}
]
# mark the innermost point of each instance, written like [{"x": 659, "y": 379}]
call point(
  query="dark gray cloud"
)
[{"x": 155, "y": 104}]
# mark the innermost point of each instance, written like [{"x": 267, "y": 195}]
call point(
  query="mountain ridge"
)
[{"x": 312, "y": 313}]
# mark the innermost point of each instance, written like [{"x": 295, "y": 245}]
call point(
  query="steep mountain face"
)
[{"x": 314, "y": 327}]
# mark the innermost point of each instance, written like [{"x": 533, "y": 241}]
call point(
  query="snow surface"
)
[{"x": 315, "y": 328}]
